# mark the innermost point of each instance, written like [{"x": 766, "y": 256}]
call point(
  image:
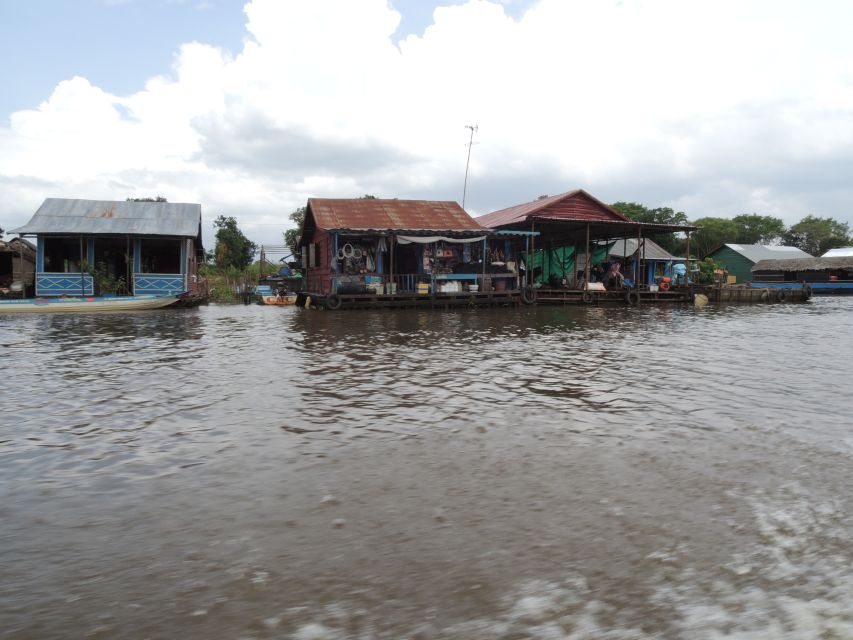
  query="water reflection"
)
[{"x": 531, "y": 472}]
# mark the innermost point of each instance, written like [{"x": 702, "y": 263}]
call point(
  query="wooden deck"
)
[
  {"x": 403, "y": 300},
  {"x": 578, "y": 297},
  {"x": 575, "y": 297}
]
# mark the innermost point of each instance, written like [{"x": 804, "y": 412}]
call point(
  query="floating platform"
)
[
  {"x": 575, "y": 297},
  {"x": 404, "y": 300}
]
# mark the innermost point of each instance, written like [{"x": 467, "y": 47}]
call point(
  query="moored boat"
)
[
  {"x": 86, "y": 304},
  {"x": 288, "y": 298}
]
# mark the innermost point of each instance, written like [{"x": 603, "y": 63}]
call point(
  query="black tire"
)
[
  {"x": 781, "y": 296},
  {"x": 807, "y": 291},
  {"x": 765, "y": 295},
  {"x": 528, "y": 295},
  {"x": 333, "y": 301},
  {"x": 586, "y": 297},
  {"x": 632, "y": 297}
]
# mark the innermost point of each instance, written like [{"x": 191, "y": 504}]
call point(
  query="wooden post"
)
[
  {"x": 392, "y": 288},
  {"x": 687, "y": 263},
  {"x": 637, "y": 270},
  {"x": 82, "y": 277},
  {"x": 586, "y": 269},
  {"x": 646, "y": 278}
]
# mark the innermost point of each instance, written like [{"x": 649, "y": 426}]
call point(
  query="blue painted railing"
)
[
  {"x": 58, "y": 284},
  {"x": 158, "y": 284}
]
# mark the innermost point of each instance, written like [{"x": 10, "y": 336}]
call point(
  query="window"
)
[
  {"x": 160, "y": 255},
  {"x": 61, "y": 255}
]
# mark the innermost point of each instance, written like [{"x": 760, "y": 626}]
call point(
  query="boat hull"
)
[
  {"x": 279, "y": 300},
  {"x": 85, "y": 305}
]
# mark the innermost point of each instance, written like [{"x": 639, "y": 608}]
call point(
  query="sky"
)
[{"x": 711, "y": 107}]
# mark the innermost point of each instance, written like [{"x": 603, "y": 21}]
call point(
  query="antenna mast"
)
[{"x": 473, "y": 128}]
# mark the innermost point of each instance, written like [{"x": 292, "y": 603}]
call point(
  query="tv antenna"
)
[{"x": 473, "y": 128}]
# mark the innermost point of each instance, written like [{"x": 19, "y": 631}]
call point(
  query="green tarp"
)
[{"x": 560, "y": 261}]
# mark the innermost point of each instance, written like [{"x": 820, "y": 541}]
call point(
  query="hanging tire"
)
[
  {"x": 333, "y": 301},
  {"x": 528, "y": 295},
  {"x": 781, "y": 296},
  {"x": 765, "y": 295},
  {"x": 586, "y": 297},
  {"x": 664, "y": 286},
  {"x": 807, "y": 291},
  {"x": 632, "y": 297}
]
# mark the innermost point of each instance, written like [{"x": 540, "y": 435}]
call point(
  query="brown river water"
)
[{"x": 256, "y": 472}]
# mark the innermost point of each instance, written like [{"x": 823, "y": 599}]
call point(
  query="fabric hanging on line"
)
[
  {"x": 431, "y": 239},
  {"x": 381, "y": 247}
]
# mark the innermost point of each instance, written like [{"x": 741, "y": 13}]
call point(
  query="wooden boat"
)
[
  {"x": 87, "y": 304},
  {"x": 285, "y": 299}
]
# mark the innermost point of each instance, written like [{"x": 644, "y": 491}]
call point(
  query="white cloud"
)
[{"x": 717, "y": 107}]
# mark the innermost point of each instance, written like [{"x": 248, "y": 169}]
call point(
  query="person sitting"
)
[{"x": 614, "y": 277}]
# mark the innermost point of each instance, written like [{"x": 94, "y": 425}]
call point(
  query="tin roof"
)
[
  {"x": 425, "y": 215},
  {"x": 839, "y": 252},
  {"x": 65, "y": 215},
  {"x": 805, "y": 264},
  {"x": 756, "y": 252},
  {"x": 653, "y": 251},
  {"x": 572, "y": 205}
]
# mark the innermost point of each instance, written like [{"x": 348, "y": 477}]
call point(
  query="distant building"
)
[
  {"x": 738, "y": 259},
  {"x": 17, "y": 266},
  {"x": 839, "y": 252},
  {"x": 85, "y": 247}
]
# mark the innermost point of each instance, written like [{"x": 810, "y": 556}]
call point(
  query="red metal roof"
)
[
  {"x": 572, "y": 205},
  {"x": 390, "y": 214}
]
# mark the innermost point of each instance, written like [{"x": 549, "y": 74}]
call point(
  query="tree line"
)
[{"x": 812, "y": 234}]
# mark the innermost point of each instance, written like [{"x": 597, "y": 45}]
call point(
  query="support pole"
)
[
  {"x": 82, "y": 276},
  {"x": 588, "y": 257},
  {"x": 687, "y": 263},
  {"x": 637, "y": 270}
]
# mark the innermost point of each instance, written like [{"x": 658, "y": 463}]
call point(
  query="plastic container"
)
[
  {"x": 473, "y": 288},
  {"x": 653, "y": 288},
  {"x": 423, "y": 288}
]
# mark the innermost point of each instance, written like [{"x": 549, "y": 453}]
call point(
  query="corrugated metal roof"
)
[
  {"x": 64, "y": 215},
  {"x": 572, "y": 205},
  {"x": 428, "y": 215},
  {"x": 839, "y": 252},
  {"x": 805, "y": 264},
  {"x": 653, "y": 251},
  {"x": 756, "y": 252}
]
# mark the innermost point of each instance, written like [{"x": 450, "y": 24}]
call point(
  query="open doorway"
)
[{"x": 112, "y": 267}]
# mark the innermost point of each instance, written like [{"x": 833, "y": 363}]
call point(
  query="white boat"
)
[{"x": 85, "y": 304}]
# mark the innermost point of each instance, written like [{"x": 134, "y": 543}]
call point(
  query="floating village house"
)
[
  {"x": 372, "y": 247},
  {"x": 17, "y": 267},
  {"x": 738, "y": 259},
  {"x": 94, "y": 247},
  {"x": 577, "y": 232},
  {"x": 825, "y": 275}
]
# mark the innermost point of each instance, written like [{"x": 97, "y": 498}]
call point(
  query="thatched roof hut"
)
[{"x": 804, "y": 264}]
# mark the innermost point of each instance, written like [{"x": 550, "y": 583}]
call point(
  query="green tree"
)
[
  {"x": 662, "y": 215},
  {"x": 712, "y": 233},
  {"x": 233, "y": 249},
  {"x": 291, "y": 236},
  {"x": 757, "y": 229},
  {"x": 816, "y": 235}
]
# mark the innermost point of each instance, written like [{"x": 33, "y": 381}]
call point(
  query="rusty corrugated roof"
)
[
  {"x": 559, "y": 206},
  {"x": 428, "y": 215}
]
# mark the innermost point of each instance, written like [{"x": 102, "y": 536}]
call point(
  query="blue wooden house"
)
[{"x": 85, "y": 247}]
